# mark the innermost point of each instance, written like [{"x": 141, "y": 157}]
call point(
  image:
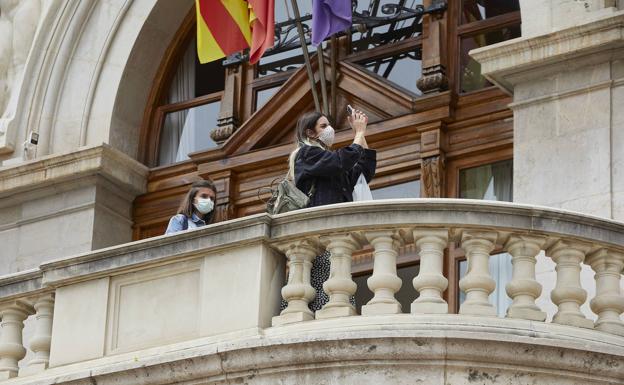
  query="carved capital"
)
[{"x": 433, "y": 80}]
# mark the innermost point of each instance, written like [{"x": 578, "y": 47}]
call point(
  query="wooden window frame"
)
[{"x": 460, "y": 30}]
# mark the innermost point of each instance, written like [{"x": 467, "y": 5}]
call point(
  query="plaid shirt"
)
[{"x": 333, "y": 173}]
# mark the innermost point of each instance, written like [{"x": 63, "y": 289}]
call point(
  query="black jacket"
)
[{"x": 333, "y": 173}]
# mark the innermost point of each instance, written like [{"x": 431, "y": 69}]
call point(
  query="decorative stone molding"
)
[
  {"x": 568, "y": 294},
  {"x": 12, "y": 349},
  {"x": 101, "y": 160},
  {"x": 340, "y": 286},
  {"x": 430, "y": 282},
  {"x": 523, "y": 288},
  {"x": 506, "y": 64},
  {"x": 478, "y": 283},
  {"x": 298, "y": 291},
  {"x": 609, "y": 300},
  {"x": 40, "y": 342}
]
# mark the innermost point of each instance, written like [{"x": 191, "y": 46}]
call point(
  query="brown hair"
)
[
  {"x": 306, "y": 122},
  {"x": 187, "y": 208}
]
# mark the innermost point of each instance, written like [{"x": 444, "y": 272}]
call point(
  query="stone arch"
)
[{"x": 89, "y": 73}]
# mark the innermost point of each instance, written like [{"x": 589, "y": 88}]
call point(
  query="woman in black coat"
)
[{"x": 330, "y": 175}]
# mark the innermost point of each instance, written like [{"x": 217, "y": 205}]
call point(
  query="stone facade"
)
[{"x": 65, "y": 203}]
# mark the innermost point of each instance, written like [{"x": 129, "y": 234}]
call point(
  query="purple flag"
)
[{"x": 329, "y": 17}]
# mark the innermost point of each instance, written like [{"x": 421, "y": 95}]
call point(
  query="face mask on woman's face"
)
[
  {"x": 327, "y": 136},
  {"x": 204, "y": 205}
]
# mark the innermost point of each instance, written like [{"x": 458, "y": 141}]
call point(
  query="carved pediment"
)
[{"x": 274, "y": 123}]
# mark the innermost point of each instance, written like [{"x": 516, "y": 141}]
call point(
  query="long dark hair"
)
[
  {"x": 306, "y": 122},
  {"x": 186, "y": 206}
]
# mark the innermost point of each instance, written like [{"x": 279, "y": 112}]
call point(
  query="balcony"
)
[{"x": 203, "y": 306}]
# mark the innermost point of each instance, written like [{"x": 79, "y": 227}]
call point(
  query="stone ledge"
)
[
  {"x": 501, "y": 62},
  {"x": 104, "y": 160},
  {"x": 368, "y": 350}
]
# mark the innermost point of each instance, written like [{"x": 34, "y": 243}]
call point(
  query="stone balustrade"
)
[{"x": 226, "y": 280}]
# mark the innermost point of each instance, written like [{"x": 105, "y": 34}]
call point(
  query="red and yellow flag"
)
[{"x": 228, "y": 26}]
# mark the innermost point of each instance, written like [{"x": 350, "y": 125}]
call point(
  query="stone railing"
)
[{"x": 223, "y": 282}]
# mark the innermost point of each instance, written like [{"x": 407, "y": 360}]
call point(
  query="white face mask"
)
[
  {"x": 327, "y": 136},
  {"x": 204, "y": 205}
]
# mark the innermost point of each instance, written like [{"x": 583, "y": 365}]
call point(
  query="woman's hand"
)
[{"x": 358, "y": 122}]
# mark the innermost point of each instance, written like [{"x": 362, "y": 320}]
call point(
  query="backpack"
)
[{"x": 287, "y": 197}]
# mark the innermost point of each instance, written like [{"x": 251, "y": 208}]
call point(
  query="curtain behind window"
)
[{"x": 174, "y": 145}]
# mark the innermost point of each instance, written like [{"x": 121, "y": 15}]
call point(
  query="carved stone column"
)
[
  {"x": 384, "y": 282},
  {"x": 11, "y": 346},
  {"x": 298, "y": 292},
  {"x": 430, "y": 282},
  {"x": 230, "y": 102},
  {"x": 340, "y": 286},
  {"x": 568, "y": 294},
  {"x": 40, "y": 342},
  {"x": 609, "y": 301},
  {"x": 478, "y": 283},
  {"x": 523, "y": 288}
]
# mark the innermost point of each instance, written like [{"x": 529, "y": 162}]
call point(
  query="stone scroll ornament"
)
[{"x": 18, "y": 24}]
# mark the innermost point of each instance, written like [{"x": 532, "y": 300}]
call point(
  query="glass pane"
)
[
  {"x": 385, "y": 33},
  {"x": 403, "y": 70},
  {"x": 192, "y": 79},
  {"x": 492, "y": 182},
  {"x": 500, "y": 269},
  {"x": 397, "y": 191},
  {"x": 263, "y": 96},
  {"x": 405, "y": 295},
  {"x": 471, "y": 78},
  {"x": 475, "y": 10},
  {"x": 187, "y": 131},
  {"x": 283, "y": 61}
]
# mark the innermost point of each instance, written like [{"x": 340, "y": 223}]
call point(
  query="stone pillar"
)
[
  {"x": 40, "y": 342},
  {"x": 340, "y": 286},
  {"x": 568, "y": 294},
  {"x": 384, "y": 282},
  {"x": 11, "y": 347},
  {"x": 478, "y": 283},
  {"x": 523, "y": 288},
  {"x": 298, "y": 292},
  {"x": 430, "y": 282},
  {"x": 609, "y": 301}
]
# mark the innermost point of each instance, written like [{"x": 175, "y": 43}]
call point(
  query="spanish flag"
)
[{"x": 228, "y": 26}]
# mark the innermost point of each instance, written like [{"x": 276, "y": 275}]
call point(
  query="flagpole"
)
[
  {"x": 332, "y": 56},
  {"x": 306, "y": 56},
  {"x": 321, "y": 59}
]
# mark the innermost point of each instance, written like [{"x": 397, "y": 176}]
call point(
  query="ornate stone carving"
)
[
  {"x": 432, "y": 177},
  {"x": 18, "y": 23}
]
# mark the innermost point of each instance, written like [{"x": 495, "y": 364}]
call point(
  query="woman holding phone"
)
[{"x": 330, "y": 175}]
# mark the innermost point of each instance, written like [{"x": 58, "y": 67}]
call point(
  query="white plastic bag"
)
[{"x": 361, "y": 191}]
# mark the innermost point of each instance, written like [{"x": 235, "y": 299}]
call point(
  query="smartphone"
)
[{"x": 349, "y": 110}]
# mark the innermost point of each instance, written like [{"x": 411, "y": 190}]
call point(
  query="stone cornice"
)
[
  {"x": 500, "y": 63},
  {"x": 102, "y": 160}
]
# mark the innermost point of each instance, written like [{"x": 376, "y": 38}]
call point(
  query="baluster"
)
[
  {"x": 523, "y": 288},
  {"x": 568, "y": 294},
  {"x": 340, "y": 286},
  {"x": 430, "y": 282},
  {"x": 384, "y": 282},
  {"x": 11, "y": 347},
  {"x": 298, "y": 292},
  {"x": 478, "y": 283},
  {"x": 40, "y": 342},
  {"x": 609, "y": 301}
]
